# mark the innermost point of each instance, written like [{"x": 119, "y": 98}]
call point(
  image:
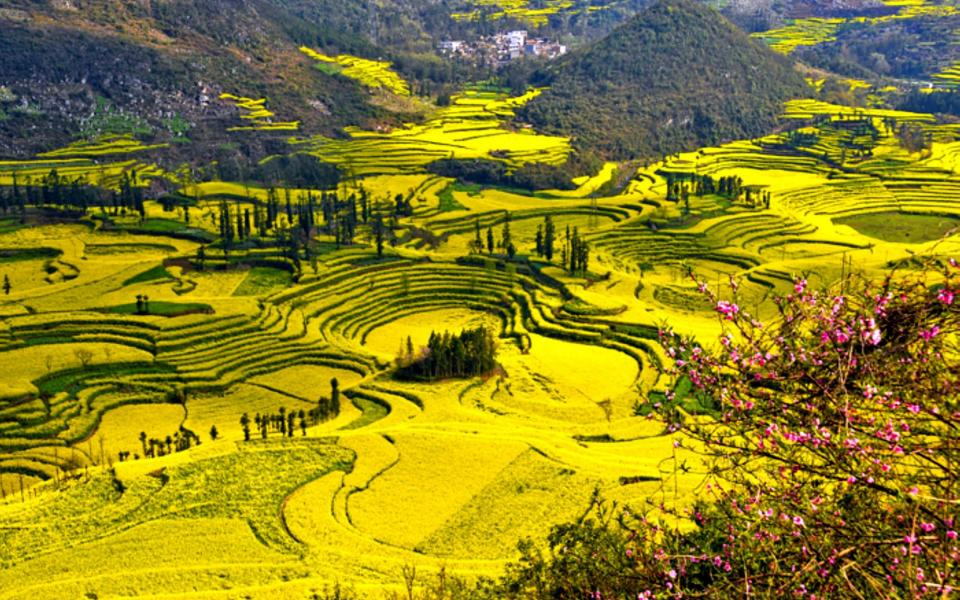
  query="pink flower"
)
[
  {"x": 931, "y": 333},
  {"x": 800, "y": 286},
  {"x": 727, "y": 309},
  {"x": 927, "y": 527},
  {"x": 945, "y": 296},
  {"x": 798, "y": 521},
  {"x": 951, "y": 535}
]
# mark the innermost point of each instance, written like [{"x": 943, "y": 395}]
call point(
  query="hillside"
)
[
  {"x": 158, "y": 68},
  {"x": 677, "y": 76}
]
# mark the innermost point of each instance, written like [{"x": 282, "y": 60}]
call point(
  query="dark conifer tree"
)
[
  {"x": 334, "y": 396},
  {"x": 245, "y": 424},
  {"x": 548, "y": 238}
]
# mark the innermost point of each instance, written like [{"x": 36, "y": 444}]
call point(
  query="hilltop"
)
[{"x": 677, "y": 76}]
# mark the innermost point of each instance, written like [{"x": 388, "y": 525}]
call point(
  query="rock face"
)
[{"x": 677, "y": 76}]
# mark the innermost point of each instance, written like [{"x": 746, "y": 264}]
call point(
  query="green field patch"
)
[
  {"x": 169, "y": 228},
  {"x": 9, "y": 255},
  {"x": 109, "y": 249},
  {"x": 447, "y": 201},
  {"x": 72, "y": 380},
  {"x": 902, "y": 227},
  {"x": 10, "y": 225},
  {"x": 373, "y": 410},
  {"x": 262, "y": 281},
  {"x": 583, "y": 308},
  {"x": 163, "y": 309},
  {"x": 681, "y": 298},
  {"x": 158, "y": 273},
  {"x": 162, "y": 225}
]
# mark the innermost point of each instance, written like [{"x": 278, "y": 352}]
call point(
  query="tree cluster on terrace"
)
[
  {"x": 576, "y": 253},
  {"x": 286, "y": 421},
  {"x": 182, "y": 439},
  {"x": 295, "y": 223},
  {"x": 681, "y": 185},
  {"x": 504, "y": 244},
  {"x": 283, "y": 421},
  {"x": 545, "y": 238},
  {"x": 72, "y": 193},
  {"x": 470, "y": 353}
]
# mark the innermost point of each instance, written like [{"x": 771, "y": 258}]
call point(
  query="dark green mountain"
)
[{"x": 678, "y": 76}]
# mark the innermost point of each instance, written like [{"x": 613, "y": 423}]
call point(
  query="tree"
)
[
  {"x": 334, "y": 396},
  {"x": 549, "y": 233},
  {"x": 378, "y": 233},
  {"x": 245, "y": 424},
  {"x": 6, "y": 285},
  {"x": 201, "y": 256},
  {"x": 143, "y": 442},
  {"x": 490, "y": 240},
  {"x": 506, "y": 240},
  {"x": 468, "y": 354},
  {"x": 214, "y": 434},
  {"x": 830, "y": 438},
  {"x": 84, "y": 356},
  {"x": 477, "y": 241}
]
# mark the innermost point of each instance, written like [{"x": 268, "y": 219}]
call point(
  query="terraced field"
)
[
  {"x": 255, "y": 112},
  {"x": 370, "y": 73},
  {"x": 443, "y": 474},
  {"x": 532, "y": 13},
  {"x": 812, "y": 31},
  {"x": 473, "y": 126}
]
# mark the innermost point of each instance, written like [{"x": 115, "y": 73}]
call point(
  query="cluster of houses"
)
[{"x": 502, "y": 47}]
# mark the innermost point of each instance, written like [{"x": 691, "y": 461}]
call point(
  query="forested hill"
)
[
  {"x": 159, "y": 64},
  {"x": 677, "y": 76}
]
